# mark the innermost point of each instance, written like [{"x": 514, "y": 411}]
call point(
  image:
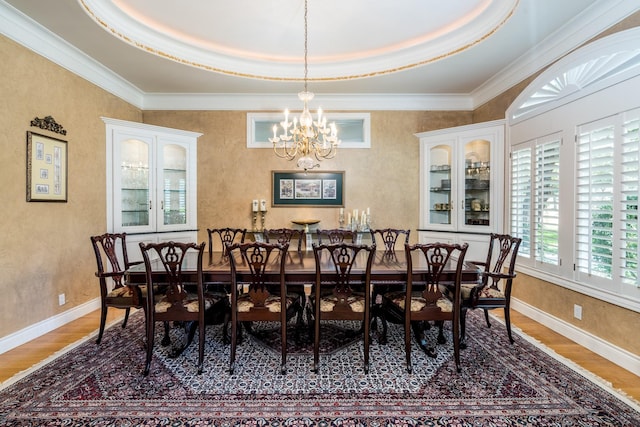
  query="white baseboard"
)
[
  {"x": 617, "y": 355},
  {"x": 34, "y": 331}
]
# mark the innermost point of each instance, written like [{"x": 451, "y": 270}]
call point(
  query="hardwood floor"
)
[{"x": 25, "y": 356}]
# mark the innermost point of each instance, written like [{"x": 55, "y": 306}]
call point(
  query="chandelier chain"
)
[
  {"x": 306, "y": 41},
  {"x": 305, "y": 137}
]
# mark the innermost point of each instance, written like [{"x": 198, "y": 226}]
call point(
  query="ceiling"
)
[{"x": 202, "y": 54}]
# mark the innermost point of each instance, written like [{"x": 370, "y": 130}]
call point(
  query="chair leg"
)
[
  {"x": 456, "y": 346},
  {"x": 316, "y": 343},
  {"x": 507, "y": 321},
  {"x": 486, "y": 317},
  {"x": 225, "y": 328},
  {"x": 126, "y": 318},
  {"x": 407, "y": 345},
  {"x": 367, "y": 338},
  {"x": 283, "y": 334},
  {"x": 201, "y": 326},
  {"x": 166, "y": 340},
  {"x": 441, "y": 338},
  {"x": 150, "y": 333},
  {"x": 232, "y": 350},
  {"x": 103, "y": 320},
  {"x": 463, "y": 328}
]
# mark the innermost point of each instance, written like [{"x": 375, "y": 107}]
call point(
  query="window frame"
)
[{"x": 363, "y": 120}]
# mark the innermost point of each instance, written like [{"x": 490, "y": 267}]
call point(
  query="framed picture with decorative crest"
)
[{"x": 46, "y": 168}]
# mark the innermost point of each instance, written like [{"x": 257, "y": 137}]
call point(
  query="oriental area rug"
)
[{"x": 500, "y": 384}]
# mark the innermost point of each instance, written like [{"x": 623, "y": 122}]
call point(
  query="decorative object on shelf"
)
[
  {"x": 254, "y": 210},
  {"x": 319, "y": 189},
  {"x": 306, "y": 138},
  {"x": 48, "y": 123},
  {"x": 341, "y": 218},
  {"x": 358, "y": 221},
  {"x": 46, "y": 168},
  {"x": 263, "y": 212}
]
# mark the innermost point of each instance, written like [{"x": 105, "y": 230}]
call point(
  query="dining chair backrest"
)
[
  {"x": 292, "y": 237},
  {"x": 502, "y": 248},
  {"x": 390, "y": 239},
  {"x": 335, "y": 235},
  {"x": 224, "y": 237}
]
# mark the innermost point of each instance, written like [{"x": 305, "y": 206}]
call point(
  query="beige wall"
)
[
  {"x": 384, "y": 178},
  {"x": 45, "y": 247}
]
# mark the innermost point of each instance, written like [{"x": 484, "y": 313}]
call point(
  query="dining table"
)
[{"x": 388, "y": 267}]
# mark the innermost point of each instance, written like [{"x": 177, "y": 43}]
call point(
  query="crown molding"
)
[
  {"x": 578, "y": 31},
  {"x": 338, "y": 102},
  {"x": 23, "y": 30}
]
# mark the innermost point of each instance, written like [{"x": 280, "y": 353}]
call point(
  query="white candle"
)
[
  {"x": 349, "y": 218},
  {"x": 355, "y": 214},
  {"x": 341, "y": 211},
  {"x": 368, "y": 212},
  {"x": 263, "y": 205},
  {"x": 254, "y": 205}
]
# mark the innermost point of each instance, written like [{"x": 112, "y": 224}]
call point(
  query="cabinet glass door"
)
[
  {"x": 477, "y": 183},
  {"x": 174, "y": 185},
  {"x": 440, "y": 181},
  {"x": 135, "y": 183}
]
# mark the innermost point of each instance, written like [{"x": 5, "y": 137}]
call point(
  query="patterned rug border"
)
[
  {"x": 590, "y": 376},
  {"x": 282, "y": 413}
]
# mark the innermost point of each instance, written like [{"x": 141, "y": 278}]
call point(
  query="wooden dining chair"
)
[
  {"x": 225, "y": 236},
  {"x": 182, "y": 301},
  {"x": 263, "y": 300},
  {"x": 112, "y": 260},
  {"x": 498, "y": 272},
  {"x": 335, "y": 235},
  {"x": 424, "y": 298},
  {"x": 389, "y": 241},
  {"x": 341, "y": 293},
  {"x": 292, "y": 237}
]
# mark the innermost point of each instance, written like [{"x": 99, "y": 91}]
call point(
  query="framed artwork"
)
[
  {"x": 46, "y": 168},
  {"x": 319, "y": 189}
]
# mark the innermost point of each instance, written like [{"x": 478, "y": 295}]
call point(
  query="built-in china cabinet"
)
[
  {"x": 151, "y": 183},
  {"x": 461, "y": 185}
]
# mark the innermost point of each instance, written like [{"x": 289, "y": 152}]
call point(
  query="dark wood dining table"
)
[{"x": 300, "y": 268}]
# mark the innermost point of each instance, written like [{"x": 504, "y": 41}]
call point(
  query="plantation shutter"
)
[
  {"x": 547, "y": 202},
  {"x": 629, "y": 190},
  {"x": 521, "y": 198},
  {"x": 595, "y": 199}
]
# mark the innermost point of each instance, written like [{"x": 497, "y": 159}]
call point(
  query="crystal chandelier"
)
[{"x": 305, "y": 137}]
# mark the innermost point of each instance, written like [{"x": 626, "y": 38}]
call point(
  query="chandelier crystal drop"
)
[{"x": 309, "y": 139}]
